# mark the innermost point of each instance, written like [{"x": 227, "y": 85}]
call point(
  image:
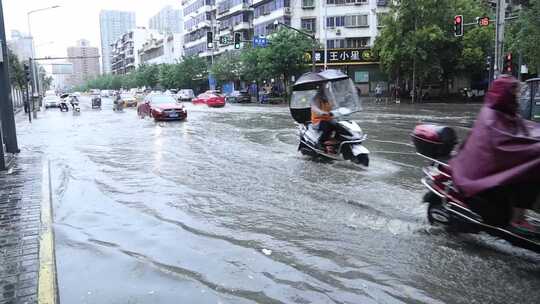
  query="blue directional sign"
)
[{"x": 260, "y": 42}]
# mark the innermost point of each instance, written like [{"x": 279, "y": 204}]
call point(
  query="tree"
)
[
  {"x": 523, "y": 36},
  {"x": 147, "y": 75},
  {"x": 227, "y": 67},
  {"x": 167, "y": 76},
  {"x": 417, "y": 40},
  {"x": 192, "y": 73},
  {"x": 285, "y": 56},
  {"x": 17, "y": 77}
]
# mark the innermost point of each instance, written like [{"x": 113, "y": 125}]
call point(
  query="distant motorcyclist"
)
[
  {"x": 73, "y": 101},
  {"x": 321, "y": 115},
  {"x": 500, "y": 160}
]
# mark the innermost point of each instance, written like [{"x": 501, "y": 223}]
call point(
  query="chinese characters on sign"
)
[{"x": 343, "y": 56}]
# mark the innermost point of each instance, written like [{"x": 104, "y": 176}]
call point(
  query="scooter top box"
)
[{"x": 433, "y": 140}]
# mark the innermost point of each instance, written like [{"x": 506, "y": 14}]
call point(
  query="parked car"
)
[
  {"x": 128, "y": 100},
  {"x": 161, "y": 107},
  {"x": 210, "y": 98},
  {"x": 241, "y": 96},
  {"x": 185, "y": 95},
  {"x": 51, "y": 101}
]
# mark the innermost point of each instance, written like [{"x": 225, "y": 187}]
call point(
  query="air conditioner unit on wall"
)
[
  {"x": 287, "y": 10},
  {"x": 338, "y": 32}
]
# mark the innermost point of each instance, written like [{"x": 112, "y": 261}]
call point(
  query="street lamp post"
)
[
  {"x": 310, "y": 36},
  {"x": 35, "y": 78}
]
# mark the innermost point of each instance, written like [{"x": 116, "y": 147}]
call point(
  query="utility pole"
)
[
  {"x": 9, "y": 133},
  {"x": 499, "y": 37}
]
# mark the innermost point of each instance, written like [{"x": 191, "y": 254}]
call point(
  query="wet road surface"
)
[{"x": 221, "y": 208}]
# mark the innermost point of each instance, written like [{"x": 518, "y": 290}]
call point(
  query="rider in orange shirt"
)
[{"x": 321, "y": 115}]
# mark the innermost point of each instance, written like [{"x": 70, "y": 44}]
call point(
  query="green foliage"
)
[
  {"x": 523, "y": 36},
  {"x": 168, "y": 76},
  {"x": 420, "y": 33},
  {"x": 227, "y": 67},
  {"x": 17, "y": 77}
]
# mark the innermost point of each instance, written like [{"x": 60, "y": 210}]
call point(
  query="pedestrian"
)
[{"x": 378, "y": 93}]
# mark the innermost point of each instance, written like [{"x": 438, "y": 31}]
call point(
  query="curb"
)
[{"x": 47, "y": 281}]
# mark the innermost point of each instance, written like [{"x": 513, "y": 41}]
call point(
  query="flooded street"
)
[{"x": 222, "y": 208}]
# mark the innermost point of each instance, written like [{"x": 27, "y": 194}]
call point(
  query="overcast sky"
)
[{"x": 54, "y": 30}]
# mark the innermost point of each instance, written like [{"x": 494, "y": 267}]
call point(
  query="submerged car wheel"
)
[{"x": 436, "y": 213}]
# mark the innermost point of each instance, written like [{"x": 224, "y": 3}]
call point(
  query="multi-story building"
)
[
  {"x": 347, "y": 27},
  {"x": 124, "y": 53},
  {"x": 199, "y": 18},
  {"x": 167, "y": 20},
  {"x": 233, "y": 16},
  {"x": 113, "y": 24},
  {"x": 164, "y": 49},
  {"x": 21, "y": 45},
  {"x": 86, "y": 67}
]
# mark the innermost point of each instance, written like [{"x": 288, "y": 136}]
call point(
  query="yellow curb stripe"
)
[{"x": 47, "y": 286}]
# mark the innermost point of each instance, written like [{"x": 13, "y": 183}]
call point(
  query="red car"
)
[
  {"x": 161, "y": 107},
  {"x": 210, "y": 98}
]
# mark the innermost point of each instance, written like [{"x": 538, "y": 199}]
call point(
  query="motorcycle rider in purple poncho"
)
[{"x": 499, "y": 163}]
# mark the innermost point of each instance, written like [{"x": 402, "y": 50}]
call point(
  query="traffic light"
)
[
  {"x": 458, "y": 25},
  {"x": 508, "y": 63},
  {"x": 209, "y": 40},
  {"x": 237, "y": 40},
  {"x": 27, "y": 72},
  {"x": 488, "y": 63}
]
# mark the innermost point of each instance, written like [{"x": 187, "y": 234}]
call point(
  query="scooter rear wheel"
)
[{"x": 436, "y": 213}]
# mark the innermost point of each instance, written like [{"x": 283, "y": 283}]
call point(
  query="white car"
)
[
  {"x": 185, "y": 95},
  {"x": 51, "y": 101}
]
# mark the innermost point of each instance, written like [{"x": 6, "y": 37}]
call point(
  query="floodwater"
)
[{"x": 221, "y": 208}]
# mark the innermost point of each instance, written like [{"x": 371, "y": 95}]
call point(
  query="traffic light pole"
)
[
  {"x": 7, "y": 116},
  {"x": 499, "y": 37}
]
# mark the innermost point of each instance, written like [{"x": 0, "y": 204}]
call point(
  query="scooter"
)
[
  {"x": 118, "y": 105},
  {"x": 446, "y": 205},
  {"x": 345, "y": 144},
  {"x": 347, "y": 139}
]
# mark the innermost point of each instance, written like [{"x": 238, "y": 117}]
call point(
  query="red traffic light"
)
[
  {"x": 458, "y": 25},
  {"x": 509, "y": 56},
  {"x": 484, "y": 21}
]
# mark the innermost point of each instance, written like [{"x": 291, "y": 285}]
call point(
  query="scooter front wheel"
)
[{"x": 361, "y": 159}]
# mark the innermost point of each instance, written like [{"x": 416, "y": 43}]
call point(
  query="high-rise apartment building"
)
[
  {"x": 199, "y": 18},
  {"x": 21, "y": 45},
  {"x": 167, "y": 21},
  {"x": 125, "y": 50},
  {"x": 86, "y": 67},
  {"x": 113, "y": 24}
]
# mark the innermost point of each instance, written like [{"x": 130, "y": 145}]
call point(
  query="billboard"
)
[{"x": 62, "y": 69}]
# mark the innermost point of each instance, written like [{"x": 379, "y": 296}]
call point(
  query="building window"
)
[
  {"x": 308, "y": 3},
  {"x": 355, "y": 43},
  {"x": 346, "y": 2},
  {"x": 380, "y": 18},
  {"x": 335, "y": 43},
  {"x": 356, "y": 21},
  {"x": 269, "y": 7},
  {"x": 308, "y": 24},
  {"x": 335, "y": 21}
]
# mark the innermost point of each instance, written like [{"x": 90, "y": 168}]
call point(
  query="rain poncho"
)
[{"x": 502, "y": 148}]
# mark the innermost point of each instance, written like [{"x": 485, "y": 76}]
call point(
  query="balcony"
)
[{"x": 242, "y": 26}]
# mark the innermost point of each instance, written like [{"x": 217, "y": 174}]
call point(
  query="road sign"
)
[
  {"x": 260, "y": 42},
  {"x": 483, "y": 21},
  {"x": 224, "y": 40}
]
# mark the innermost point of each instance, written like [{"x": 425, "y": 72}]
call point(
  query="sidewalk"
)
[{"x": 22, "y": 231}]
